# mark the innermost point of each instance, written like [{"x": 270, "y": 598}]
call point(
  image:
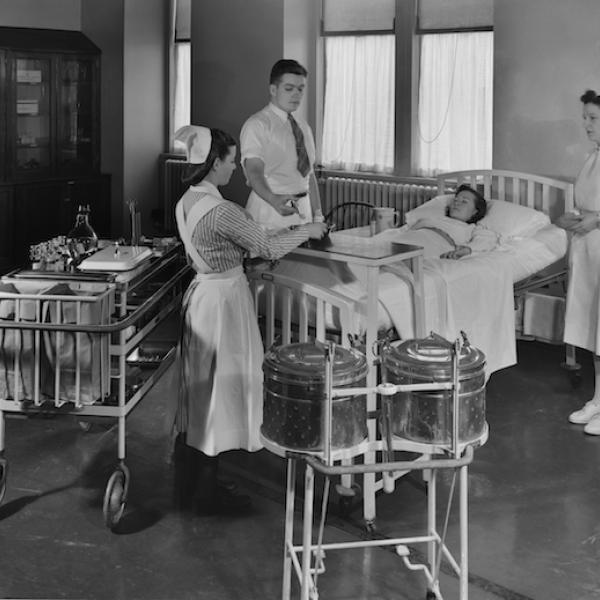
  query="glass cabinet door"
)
[
  {"x": 33, "y": 119},
  {"x": 76, "y": 126}
]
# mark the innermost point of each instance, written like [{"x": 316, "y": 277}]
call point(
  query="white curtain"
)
[
  {"x": 455, "y": 102},
  {"x": 358, "y": 117},
  {"x": 182, "y": 93}
]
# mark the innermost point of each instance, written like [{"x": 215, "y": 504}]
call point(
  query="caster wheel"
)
[
  {"x": 3, "y": 471},
  {"x": 370, "y": 528},
  {"x": 115, "y": 496},
  {"x": 85, "y": 426}
]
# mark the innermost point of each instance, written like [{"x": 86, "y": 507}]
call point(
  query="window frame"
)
[{"x": 407, "y": 35}]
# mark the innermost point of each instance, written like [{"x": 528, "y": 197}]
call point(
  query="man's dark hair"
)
[{"x": 283, "y": 66}]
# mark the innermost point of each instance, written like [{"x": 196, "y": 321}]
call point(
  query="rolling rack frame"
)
[
  {"x": 127, "y": 316},
  {"x": 307, "y": 560}
]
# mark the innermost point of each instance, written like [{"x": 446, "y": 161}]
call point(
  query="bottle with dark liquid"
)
[{"x": 81, "y": 239}]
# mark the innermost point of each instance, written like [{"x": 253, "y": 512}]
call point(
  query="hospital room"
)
[{"x": 299, "y": 299}]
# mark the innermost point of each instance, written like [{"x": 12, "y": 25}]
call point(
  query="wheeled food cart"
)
[
  {"x": 78, "y": 342},
  {"x": 321, "y": 421}
]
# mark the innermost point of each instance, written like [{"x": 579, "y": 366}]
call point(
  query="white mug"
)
[{"x": 384, "y": 217}]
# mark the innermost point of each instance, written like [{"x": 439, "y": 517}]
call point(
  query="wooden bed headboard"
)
[{"x": 550, "y": 195}]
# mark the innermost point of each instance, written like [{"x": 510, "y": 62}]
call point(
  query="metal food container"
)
[
  {"x": 295, "y": 397},
  {"x": 427, "y": 416}
]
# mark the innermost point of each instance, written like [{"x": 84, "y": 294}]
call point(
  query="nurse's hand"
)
[
  {"x": 284, "y": 204},
  {"x": 316, "y": 231},
  {"x": 585, "y": 224},
  {"x": 568, "y": 221}
]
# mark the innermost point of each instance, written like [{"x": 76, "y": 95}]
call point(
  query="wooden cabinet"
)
[
  {"x": 49, "y": 137},
  {"x": 7, "y": 237}
]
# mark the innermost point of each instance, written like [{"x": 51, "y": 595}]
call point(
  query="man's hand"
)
[{"x": 284, "y": 204}]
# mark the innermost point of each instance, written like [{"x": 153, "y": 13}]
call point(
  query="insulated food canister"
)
[
  {"x": 295, "y": 397},
  {"x": 426, "y": 416}
]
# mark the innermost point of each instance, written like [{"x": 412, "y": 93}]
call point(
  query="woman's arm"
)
[{"x": 239, "y": 226}]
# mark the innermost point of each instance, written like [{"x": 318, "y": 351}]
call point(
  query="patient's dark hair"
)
[
  {"x": 480, "y": 203},
  {"x": 283, "y": 66},
  {"x": 590, "y": 97},
  {"x": 220, "y": 144}
]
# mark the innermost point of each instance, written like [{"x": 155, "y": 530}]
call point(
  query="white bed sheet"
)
[{"x": 473, "y": 294}]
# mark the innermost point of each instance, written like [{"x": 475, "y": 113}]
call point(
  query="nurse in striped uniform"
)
[{"x": 221, "y": 354}]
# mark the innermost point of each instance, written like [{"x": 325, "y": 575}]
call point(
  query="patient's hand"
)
[{"x": 458, "y": 252}]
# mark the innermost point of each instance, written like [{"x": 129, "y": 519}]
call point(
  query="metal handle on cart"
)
[{"x": 113, "y": 327}]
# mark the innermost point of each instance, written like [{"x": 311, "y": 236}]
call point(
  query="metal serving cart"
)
[
  {"x": 317, "y": 422},
  {"x": 74, "y": 343}
]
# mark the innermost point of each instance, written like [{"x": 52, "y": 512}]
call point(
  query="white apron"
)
[
  {"x": 220, "y": 354},
  {"x": 582, "y": 314},
  {"x": 264, "y": 214}
]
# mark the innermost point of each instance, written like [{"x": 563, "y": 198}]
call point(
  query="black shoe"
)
[{"x": 224, "y": 503}]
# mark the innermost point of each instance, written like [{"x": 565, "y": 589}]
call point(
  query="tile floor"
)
[{"x": 534, "y": 510}]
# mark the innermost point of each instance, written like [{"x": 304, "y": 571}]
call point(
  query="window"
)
[
  {"x": 358, "y": 114},
  {"x": 381, "y": 115},
  {"x": 182, "y": 93},
  {"x": 454, "y": 115}
]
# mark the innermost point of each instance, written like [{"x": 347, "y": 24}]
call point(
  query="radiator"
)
[
  {"x": 338, "y": 191},
  {"x": 172, "y": 189}
]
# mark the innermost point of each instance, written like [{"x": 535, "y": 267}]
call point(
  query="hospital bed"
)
[
  {"x": 307, "y": 297},
  {"x": 482, "y": 295}
]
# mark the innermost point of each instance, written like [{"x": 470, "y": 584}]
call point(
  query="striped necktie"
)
[{"x": 303, "y": 163}]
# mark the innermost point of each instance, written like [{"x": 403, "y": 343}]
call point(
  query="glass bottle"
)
[{"x": 81, "y": 239}]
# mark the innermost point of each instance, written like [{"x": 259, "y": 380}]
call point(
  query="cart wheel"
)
[
  {"x": 3, "y": 471},
  {"x": 115, "y": 496}
]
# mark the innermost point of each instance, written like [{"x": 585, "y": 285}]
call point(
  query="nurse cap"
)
[{"x": 197, "y": 141}]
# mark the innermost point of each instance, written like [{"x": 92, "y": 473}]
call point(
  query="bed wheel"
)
[{"x": 370, "y": 528}]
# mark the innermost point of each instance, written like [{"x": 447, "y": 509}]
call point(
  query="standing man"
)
[{"x": 278, "y": 154}]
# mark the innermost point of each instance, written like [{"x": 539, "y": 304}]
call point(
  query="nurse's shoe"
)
[
  {"x": 593, "y": 427},
  {"x": 586, "y": 413}
]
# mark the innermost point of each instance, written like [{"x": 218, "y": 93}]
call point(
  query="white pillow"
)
[
  {"x": 436, "y": 207},
  {"x": 509, "y": 220}
]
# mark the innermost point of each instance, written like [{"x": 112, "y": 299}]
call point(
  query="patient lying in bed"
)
[{"x": 455, "y": 235}]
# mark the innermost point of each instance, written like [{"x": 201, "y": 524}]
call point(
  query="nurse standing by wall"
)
[
  {"x": 582, "y": 318},
  {"x": 220, "y": 353}
]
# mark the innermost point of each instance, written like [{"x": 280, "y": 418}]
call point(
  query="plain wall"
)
[
  {"x": 102, "y": 22},
  {"x": 144, "y": 104},
  {"x": 234, "y": 45},
  {"x": 547, "y": 52},
  {"x": 41, "y": 14}
]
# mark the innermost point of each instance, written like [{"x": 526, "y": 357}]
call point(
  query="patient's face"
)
[{"x": 463, "y": 206}]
